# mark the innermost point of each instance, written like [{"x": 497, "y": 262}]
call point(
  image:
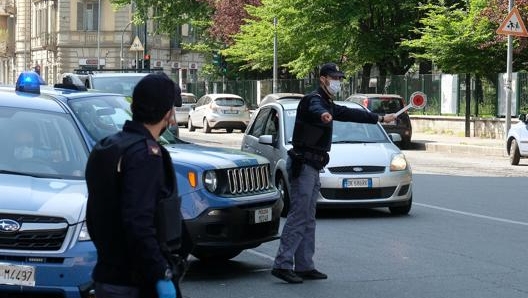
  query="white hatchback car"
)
[
  {"x": 366, "y": 168},
  {"x": 517, "y": 140},
  {"x": 219, "y": 110},
  {"x": 182, "y": 113}
]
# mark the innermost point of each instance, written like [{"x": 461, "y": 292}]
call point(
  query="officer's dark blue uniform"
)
[
  {"x": 312, "y": 139},
  {"x": 128, "y": 176}
]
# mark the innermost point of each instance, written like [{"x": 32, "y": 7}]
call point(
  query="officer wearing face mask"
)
[
  {"x": 312, "y": 138},
  {"x": 25, "y": 147},
  {"x": 133, "y": 212}
]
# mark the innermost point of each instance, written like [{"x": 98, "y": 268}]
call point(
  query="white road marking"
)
[
  {"x": 265, "y": 256},
  {"x": 522, "y": 223}
]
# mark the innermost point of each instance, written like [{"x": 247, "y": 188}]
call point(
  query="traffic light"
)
[
  {"x": 217, "y": 58},
  {"x": 147, "y": 61}
]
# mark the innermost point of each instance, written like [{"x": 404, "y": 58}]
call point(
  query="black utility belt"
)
[{"x": 313, "y": 156}]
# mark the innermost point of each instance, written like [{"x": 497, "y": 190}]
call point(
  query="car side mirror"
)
[
  {"x": 395, "y": 137},
  {"x": 522, "y": 117},
  {"x": 266, "y": 139}
]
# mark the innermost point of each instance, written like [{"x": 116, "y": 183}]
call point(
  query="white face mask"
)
[
  {"x": 334, "y": 87},
  {"x": 23, "y": 152}
]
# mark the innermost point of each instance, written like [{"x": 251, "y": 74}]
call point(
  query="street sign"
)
[
  {"x": 513, "y": 25},
  {"x": 136, "y": 45},
  {"x": 418, "y": 100}
]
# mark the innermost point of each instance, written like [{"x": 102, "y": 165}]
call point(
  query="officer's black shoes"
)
[
  {"x": 287, "y": 275},
  {"x": 311, "y": 274}
]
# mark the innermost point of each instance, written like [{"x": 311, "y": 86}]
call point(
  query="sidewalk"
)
[{"x": 454, "y": 144}]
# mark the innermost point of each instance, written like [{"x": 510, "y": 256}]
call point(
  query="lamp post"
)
[
  {"x": 99, "y": 36},
  {"x": 275, "y": 55},
  {"x": 121, "y": 53}
]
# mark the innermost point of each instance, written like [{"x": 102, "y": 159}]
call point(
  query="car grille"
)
[
  {"x": 357, "y": 169},
  {"x": 42, "y": 239},
  {"x": 357, "y": 193},
  {"x": 248, "y": 180}
]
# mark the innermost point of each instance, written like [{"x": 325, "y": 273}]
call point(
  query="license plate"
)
[
  {"x": 17, "y": 275},
  {"x": 357, "y": 183},
  {"x": 231, "y": 112},
  {"x": 263, "y": 215},
  {"x": 182, "y": 109}
]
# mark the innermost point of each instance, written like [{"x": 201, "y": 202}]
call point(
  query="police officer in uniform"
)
[
  {"x": 312, "y": 138},
  {"x": 131, "y": 182}
]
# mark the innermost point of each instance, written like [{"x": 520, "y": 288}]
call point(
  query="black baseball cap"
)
[{"x": 331, "y": 69}]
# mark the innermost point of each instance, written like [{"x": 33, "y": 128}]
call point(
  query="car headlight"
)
[
  {"x": 398, "y": 162},
  {"x": 210, "y": 181},
  {"x": 84, "y": 235}
]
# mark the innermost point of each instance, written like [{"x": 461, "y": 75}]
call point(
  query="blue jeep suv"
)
[{"x": 228, "y": 200}]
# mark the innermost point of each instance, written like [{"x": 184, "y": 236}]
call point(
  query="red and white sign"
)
[
  {"x": 418, "y": 100},
  {"x": 513, "y": 24}
]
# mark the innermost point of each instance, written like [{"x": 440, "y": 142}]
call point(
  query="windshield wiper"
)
[
  {"x": 31, "y": 174},
  {"x": 351, "y": 142}
]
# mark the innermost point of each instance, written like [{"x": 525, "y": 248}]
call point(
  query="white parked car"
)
[
  {"x": 517, "y": 140},
  {"x": 182, "y": 113},
  {"x": 366, "y": 168},
  {"x": 219, "y": 110}
]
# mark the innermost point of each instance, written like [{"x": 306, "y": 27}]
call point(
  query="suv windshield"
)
[
  {"x": 41, "y": 144},
  {"x": 118, "y": 84},
  {"x": 104, "y": 115}
]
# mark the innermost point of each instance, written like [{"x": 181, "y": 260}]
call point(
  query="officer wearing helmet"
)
[{"x": 312, "y": 138}]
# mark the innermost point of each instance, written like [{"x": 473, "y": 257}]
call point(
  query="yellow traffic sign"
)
[
  {"x": 136, "y": 45},
  {"x": 513, "y": 24}
]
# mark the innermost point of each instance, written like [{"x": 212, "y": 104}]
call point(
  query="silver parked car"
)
[
  {"x": 219, "y": 110},
  {"x": 366, "y": 168},
  {"x": 182, "y": 113}
]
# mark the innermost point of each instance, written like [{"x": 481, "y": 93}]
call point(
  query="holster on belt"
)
[{"x": 297, "y": 162}]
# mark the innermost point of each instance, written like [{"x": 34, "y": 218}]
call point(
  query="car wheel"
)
[
  {"x": 515, "y": 155},
  {"x": 229, "y": 130},
  {"x": 283, "y": 190},
  {"x": 405, "y": 143},
  {"x": 216, "y": 256},
  {"x": 190, "y": 125},
  {"x": 401, "y": 210},
  {"x": 206, "y": 127}
]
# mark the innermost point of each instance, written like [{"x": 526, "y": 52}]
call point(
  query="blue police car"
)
[{"x": 228, "y": 200}]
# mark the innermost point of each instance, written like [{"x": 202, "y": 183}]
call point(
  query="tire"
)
[
  {"x": 190, "y": 125},
  {"x": 206, "y": 127},
  {"x": 515, "y": 154},
  {"x": 401, "y": 210},
  {"x": 229, "y": 130},
  {"x": 283, "y": 190},
  {"x": 216, "y": 256}
]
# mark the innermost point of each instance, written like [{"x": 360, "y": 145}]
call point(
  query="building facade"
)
[{"x": 60, "y": 36}]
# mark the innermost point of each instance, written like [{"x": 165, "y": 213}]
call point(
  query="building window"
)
[{"x": 87, "y": 16}]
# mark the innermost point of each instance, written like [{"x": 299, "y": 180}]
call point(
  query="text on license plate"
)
[
  {"x": 17, "y": 275},
  {"x": 230, "y": 112},
  {"x": 262, "y": 215},
  {"x": 357, "y": 183}
]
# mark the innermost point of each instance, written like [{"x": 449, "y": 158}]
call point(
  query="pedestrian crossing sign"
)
[
  {"x": 136, "y": 45},
  {"x": 513, "y": 24}
]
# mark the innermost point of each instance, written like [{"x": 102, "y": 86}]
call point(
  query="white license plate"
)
[
  {"x": 19, "y": 275},
  {"x": 263, "y": 215},
  {"x": 357, "y": 183},
  {"x": 231, "y": 112}
]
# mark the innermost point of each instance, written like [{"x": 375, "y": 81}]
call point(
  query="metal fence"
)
[{"x": 484, "y": 93}]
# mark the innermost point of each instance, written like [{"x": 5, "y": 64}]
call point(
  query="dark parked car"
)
[{"x": 385, "y": 104}]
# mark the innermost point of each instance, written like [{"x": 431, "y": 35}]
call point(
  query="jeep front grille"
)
[
  {"x": 41, "y": 233},
  {"x": 249, "y": 179}
]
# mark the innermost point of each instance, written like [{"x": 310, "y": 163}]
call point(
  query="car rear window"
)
[
  {"x": 385, "y": 105},
  {"x": 230, "y": 102},
  {"x": 188, "y": 98}
]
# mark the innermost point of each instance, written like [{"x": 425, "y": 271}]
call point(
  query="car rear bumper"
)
[{"x": 66, "y": 275}]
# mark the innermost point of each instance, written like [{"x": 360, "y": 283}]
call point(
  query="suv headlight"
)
[
  {"x": 84, "y": 235},
  {"x": 398, "y": 162},
  {"x": 210, "y": 181}
]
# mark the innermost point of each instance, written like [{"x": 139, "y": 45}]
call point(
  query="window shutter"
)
[
  {"x": 96, "y": 16},
  {"x": 80, "y": 16}
]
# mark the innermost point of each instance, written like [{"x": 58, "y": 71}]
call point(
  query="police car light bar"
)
[{"x": 29, "y": 82}]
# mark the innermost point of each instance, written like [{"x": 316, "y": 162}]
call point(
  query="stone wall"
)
[{"x": 491, "y": 128}]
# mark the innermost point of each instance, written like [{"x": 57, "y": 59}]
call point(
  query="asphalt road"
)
[{"x": 465, "y": 237}]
